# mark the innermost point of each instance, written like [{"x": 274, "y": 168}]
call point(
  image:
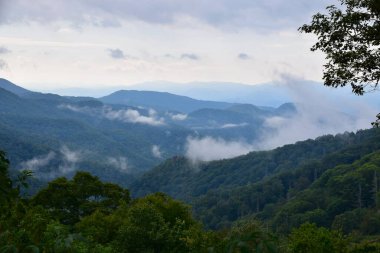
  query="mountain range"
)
[
  {"x": 204, "y": 153},
  {"x": 120, "y": 135},
  {"x": 271, "y": 94}
]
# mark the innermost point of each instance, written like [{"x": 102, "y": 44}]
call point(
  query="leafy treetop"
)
[{"x": 351, "y": 40}]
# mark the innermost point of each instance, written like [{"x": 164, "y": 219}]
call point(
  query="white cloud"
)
[
  {"x": 120, "y": 163},
  {"x": 209, "y": 149},
  {"x": 132, "y": 116},
  {"x": 39, "y": 162},
  {"x": 54, "y": 164},
  {"x": 152, "y": 112},
  {"x": 317, "y": 114},
  {"x": 156, "y": 152},
  {"x": 71, "y": 107},
  {"x": 214, "y": 125},
  {"x": 232, "y": 125},
  {"x": 177, "y": 117},
  {"x": 125, "y": 115},
  {"x": 69, "y": 155},
  {"x": 70, "y": 158}
]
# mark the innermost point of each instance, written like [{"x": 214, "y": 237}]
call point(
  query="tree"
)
[
  {"x": 250, "y": 236},
  {"x": 350, "y": 38},
  {"x": 13, "y": 236},
  {"x": 312, "y": 239},
  {"x": 157, "y": 223},
  {"x": 377, "y": 122},
  {"x": 70, "y": 200},
  {"x": 5, "y": 181}
]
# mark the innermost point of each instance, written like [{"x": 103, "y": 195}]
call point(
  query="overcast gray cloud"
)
[
  {"x": 238, "y": 13},
  {"x": 4, "y": 50},
  {"x": 193, "y": 57},
  {"x": 171, "y": 40},
  {"x": 244, "y": 56},
  {"x": 116, "y": 53},
  {"x": 3, "y": 65}
]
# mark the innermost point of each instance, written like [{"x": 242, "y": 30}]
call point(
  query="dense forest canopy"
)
[{"x": 332, "y": 198}]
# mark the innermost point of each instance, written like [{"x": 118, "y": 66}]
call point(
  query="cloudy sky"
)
[{"x": 47, "y": 44}]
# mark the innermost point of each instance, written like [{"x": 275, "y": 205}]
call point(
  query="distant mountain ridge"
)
[
  {"x": 161, "y": 101},
  {"x": 268, "y": 94},
  {"x": 11, "y": 87},
  {"x": 128, "y": 132},
  {"x": 125, "y": 133},
  {"x": 272, "y": 94}
]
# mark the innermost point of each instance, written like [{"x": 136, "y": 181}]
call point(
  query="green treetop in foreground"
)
[{"x": 350, "y": 38}]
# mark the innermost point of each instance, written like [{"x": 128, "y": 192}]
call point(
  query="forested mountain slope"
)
[
  {"x": 86, "y": 215},
  {"x": 7, "y": 85},
  {"x": 36, "y": 125},
  {"x": 260, "y": 183}
]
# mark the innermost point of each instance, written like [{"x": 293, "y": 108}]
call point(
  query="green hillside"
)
[
  {"x": 86, "y": 215},
  {"x": 263, "y": 184}
]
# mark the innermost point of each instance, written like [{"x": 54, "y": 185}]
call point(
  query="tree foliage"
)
[
  {"x": 260, "y": 183},
  {"x": 350, "y": 38},
  {"x": 309, "y": 238},
  {"x": 377, "y": 122},
  {"x": 85, "y": 215},
  {"x": 69, "y": 201}
]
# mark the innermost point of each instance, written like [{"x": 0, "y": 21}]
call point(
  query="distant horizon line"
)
[{"x": 63, "y": 87}]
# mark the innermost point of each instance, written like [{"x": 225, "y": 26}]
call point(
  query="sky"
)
[{"x": 48, "y": 44}]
